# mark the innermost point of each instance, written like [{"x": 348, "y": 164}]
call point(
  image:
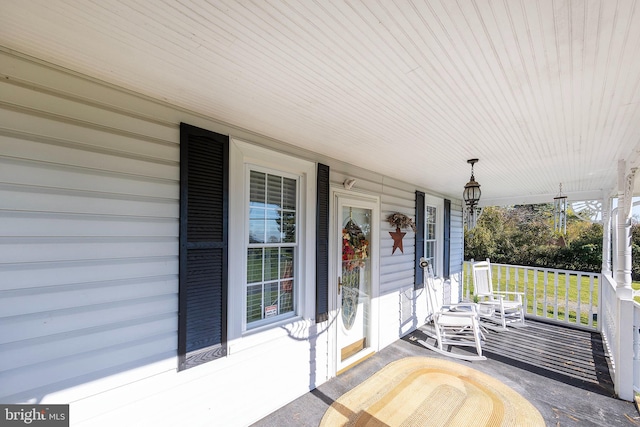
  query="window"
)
[
  {"x": 430, "y": 237},
  {"x": 272, "y": 247},
  {"x": 272, "y": 236}
]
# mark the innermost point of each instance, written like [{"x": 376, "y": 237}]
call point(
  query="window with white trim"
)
[
  {"x": 430, "y": 237},
  {"x": 272, "y": 248}
]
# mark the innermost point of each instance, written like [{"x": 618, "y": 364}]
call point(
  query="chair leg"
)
[
  {"x": 478, "y": 346},
  {"x": 477, "y": 332}
]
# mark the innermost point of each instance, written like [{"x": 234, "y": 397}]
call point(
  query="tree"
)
[
  {"x": 635, "y": 249},
  {"x": 523, "y": 235}
]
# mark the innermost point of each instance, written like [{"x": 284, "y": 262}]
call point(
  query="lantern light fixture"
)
[{"x": 471, "y": 196}]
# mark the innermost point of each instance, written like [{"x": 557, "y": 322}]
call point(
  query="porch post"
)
[
  {"x": 606, "y": 233},
  {"x": 624, "y": 322},
  {"x": 625, "y": 202}
]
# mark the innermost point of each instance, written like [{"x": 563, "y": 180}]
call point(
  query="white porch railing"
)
[
  {"x": 620, "y": 332},
  {"x": 609, "y": 314},
  {"x": 636, "y": 347},
  {"x": 560, "y": 296}
]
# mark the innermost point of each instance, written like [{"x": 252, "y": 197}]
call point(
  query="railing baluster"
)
[
  {"x": 465, "y": 272},
  {"x": 567, "y": 285},
  {"x": 507, "y": 279},
  {"x": 535, "y": 292},
  {"x": 591, "y": 280},
  {"x": 555, "y": 286},
  {"x": 578, "y": 307},
  {"x": 544, "y": 296},
  {"x": 525, "y": 290}
]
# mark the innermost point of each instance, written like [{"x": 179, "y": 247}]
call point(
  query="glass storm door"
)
[{"x": 353, "y": 299}]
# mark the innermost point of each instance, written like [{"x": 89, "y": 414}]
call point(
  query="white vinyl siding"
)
[{"x": 88, "y": 240}]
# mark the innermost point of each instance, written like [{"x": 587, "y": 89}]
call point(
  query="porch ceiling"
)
[{"x": 541, "y": 91}]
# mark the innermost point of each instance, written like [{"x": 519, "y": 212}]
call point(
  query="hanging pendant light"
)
[
  {"x": 560, "y": 213},
  {"x": 471, "y": 196}
]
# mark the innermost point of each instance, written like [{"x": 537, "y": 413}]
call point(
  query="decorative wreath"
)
[
  {"x": 400, "y": 220},
  {"x": 355, "y": 246}
]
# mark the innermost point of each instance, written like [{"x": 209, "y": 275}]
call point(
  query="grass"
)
[{"x": 573, "y": 294}]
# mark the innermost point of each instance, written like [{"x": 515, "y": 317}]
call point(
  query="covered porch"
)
[
  {"x": 379, "y": 105},
  {"x": 565, "y": 373}
]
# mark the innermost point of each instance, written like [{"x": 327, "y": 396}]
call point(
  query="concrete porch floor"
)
[{"x": 563, "y": 372}]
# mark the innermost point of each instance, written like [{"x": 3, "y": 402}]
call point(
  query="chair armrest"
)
[
  {"x": 468, "y": 314},
  {"x": 464, "y": 308},
  {"x": 503, "y": 295}
]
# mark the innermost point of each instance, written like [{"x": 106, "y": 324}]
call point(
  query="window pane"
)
[
  {"x": 431, "y": 231},
  {"x": 288, "y": 222},
  {"x": 274, "y": 191},
  {"x": 431, "y": 215},
  {"x": 254, "y": 303},
  {"x": 274, "y": 233},
  {"x": 271, "y": 299},
  {"x": 289, "y": 193},
  {"x": 286, "y": 263},
  {"x": 256, "y": 225},
  {"x": 257, "y": 187},
  {"x": 286, "y": 296},
  {"x": 430, "y": 250},
  {"x": 254, "y": 265},
  {"x": 271, "y": 264}
]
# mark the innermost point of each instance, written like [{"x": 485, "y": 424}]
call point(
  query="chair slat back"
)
[{"x": 482, "y": 283}]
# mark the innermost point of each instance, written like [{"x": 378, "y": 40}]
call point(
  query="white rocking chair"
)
[
  {"x": 454, "y": 324},
  {"x": 503, "y": 308}
]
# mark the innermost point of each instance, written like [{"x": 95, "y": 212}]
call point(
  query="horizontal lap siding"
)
[
  {"x": 457, "y": 237},
  {"x": 88, "y": 236},
  {"x": 397, "y": 269},
  {"x": 457, "y": 250},
  {"x": 400, "y": 304}
]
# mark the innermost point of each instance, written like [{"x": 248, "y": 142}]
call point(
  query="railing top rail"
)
[{"x": 555, "y": 270}]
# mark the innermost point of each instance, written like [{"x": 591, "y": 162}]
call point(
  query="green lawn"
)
[{"x": 636, "y": 286}]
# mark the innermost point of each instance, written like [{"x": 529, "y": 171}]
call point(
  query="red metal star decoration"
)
[{"x": 397, "y": 240}]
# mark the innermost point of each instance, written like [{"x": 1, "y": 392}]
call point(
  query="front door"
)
[{"x": 355, "y": 267}]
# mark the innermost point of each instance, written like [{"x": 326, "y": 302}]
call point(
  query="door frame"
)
[{"x": 368, "y": 201}]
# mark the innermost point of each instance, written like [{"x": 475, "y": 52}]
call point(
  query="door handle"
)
[{"x": 339, "y": 284}]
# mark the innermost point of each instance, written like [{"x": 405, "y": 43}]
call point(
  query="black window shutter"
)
[
  {"x": 204, "y": 187},
  {"x": 419, "y": 281},
  {"x": 446, "y": 258},
  {"x": 322, "y": 243}
]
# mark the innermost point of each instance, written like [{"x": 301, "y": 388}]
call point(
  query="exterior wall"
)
[
  {"x": 89, "y": 214},
  {"x": 457, "y": 252}
]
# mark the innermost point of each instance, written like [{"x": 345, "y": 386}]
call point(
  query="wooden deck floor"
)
[
  {"x": 563, "y": 372},
  {"x": 569, "y": 355},
  {"x": 572, "y": 356}
]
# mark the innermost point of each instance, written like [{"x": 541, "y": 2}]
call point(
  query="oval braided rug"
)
[{"x": 421, "y": 391}]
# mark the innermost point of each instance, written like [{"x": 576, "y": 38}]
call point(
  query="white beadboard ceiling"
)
[{"x": 543, "y": 92}]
